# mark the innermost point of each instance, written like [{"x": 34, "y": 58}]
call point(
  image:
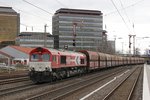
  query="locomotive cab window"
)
[
  {"x": 63, "y": 59},
  {"x": 35, "y": 57},
  {"x": 45, "y": 57}
]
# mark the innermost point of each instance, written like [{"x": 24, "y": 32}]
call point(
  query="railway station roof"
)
[
  {"x": 16, "y": 51},
  {"x": 22, "y": 49},
  {"x": 2, "y": 54}
]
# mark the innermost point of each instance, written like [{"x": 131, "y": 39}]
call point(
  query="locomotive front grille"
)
[{"x": 40, "y": 66}]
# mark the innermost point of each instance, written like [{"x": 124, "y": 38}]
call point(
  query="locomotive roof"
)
[
  {"x": 56, "y": 51},
  {"x": 64, "y": 52}
]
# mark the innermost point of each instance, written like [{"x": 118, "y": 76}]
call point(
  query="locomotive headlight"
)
[
  {"x": 32, "y": 69},
  {"x": 47, "y": 69}
]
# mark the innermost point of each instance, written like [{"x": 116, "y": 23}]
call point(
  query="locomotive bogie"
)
[{"x": 39, "y": 77}]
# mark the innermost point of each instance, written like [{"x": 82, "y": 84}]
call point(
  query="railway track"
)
[
  {"x": 124, "y": 90},
  {"x": 13, "y": 75},
  {"x": 13, "y": 80},
  {"x": 62, "y": 92},
  {"x": 9, "y": 86},
  {"x": 17, "y": 89},
  {"x": 59, "y": 89}
]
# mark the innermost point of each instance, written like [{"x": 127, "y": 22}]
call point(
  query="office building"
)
[
  {"x": 78, "y": 29},
  {"x": 9, "y": 26},
  {"x": 35, "y": 39}
]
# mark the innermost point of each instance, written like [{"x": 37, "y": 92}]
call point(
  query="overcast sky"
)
[{"x": 121, "y": 17}]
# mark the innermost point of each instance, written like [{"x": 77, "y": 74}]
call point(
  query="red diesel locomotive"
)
[{"x": 50, "y": 64}]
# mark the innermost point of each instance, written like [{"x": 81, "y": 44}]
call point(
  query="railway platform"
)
[{"x": 146, "y": 82}]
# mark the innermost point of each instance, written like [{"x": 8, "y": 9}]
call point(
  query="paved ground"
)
[{"x": 146, "y": 83}]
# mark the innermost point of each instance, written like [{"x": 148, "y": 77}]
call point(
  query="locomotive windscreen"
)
[
  {"x": 35, "y": 57},
  {"x": 45, "y": 57},
  {"x": 40, "y": 57}
]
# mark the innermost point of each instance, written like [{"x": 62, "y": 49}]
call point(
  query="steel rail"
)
[
  {"x": 13, "y": 80},
  {"x": 82, "y": 84},
  {"x": 119, "y": 85}
]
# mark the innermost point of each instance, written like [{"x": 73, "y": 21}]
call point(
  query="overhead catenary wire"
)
[
  {"x": 127, "y": 15},
  {"x": 124, "y": 8},
  {"x": 124, "y": 11},
  {"x": 120, "y": 15},
  {"x": 65, "y": 6},
  {"x": 27, "y": 13},
  {"x": 27, "y": 26},
  {"x": 38, "y": 7}
]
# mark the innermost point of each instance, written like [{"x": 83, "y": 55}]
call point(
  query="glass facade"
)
[
  {"x": 88, "y": 29},
  {"x": 35, "y": 39}
]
